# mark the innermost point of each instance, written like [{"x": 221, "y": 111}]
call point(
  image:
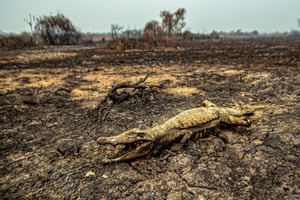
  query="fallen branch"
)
[
  {"x": 117, "y": 97},
  {"x": 44, "y": 96},
  {"x": 114, "y": 96}
]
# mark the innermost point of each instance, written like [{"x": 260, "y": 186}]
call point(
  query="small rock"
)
[
  {"x": 258, "y": 142},
  {"x": 89, "y": 173},
  {"x": 104, "y": 176},
  {"x": 67, "y": 147}
]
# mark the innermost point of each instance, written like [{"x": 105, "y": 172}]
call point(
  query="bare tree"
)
[
  {"x": 30, "y": 21},
  {"x": 173, "y": 23},
  {"x": 167, "y": 21},
  {"x": 115, "y": 31},
  {"x": 179, "y": 23}
]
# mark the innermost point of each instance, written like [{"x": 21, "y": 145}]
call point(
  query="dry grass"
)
[
  {"x": 30, "y": 79},
  {"x": 182, "y": 91}
]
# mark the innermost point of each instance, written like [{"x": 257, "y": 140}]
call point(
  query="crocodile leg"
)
[
  {"x": 187, "y": 135},
  {"x": 233, "y": 120}
]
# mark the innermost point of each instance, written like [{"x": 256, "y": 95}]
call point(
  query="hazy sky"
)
[{"x": 202, "y": 15}]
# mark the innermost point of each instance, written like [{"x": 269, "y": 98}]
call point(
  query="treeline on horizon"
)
[{"x": 59, "y": 30}]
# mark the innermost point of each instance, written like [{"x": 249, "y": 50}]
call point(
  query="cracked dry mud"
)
[{"x": 48, "y": 122}]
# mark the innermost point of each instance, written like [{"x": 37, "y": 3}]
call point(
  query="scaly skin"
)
[{"x": 183, "y": 126}]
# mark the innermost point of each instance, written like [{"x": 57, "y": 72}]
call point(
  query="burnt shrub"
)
[
  {"x": 15, "y": 41},
  {"x": 56, "y": 30}
]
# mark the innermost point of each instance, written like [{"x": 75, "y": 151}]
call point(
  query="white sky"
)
[{"x": 202, "y": 15}]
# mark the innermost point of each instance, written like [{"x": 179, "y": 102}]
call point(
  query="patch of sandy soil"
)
[{"x": 48, "y": 124}]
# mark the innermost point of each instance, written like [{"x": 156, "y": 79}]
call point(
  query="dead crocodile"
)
[{"x": 181, "y": 126}]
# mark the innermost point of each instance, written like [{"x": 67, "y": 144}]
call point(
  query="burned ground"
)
[{"x": 49, "y": 116}]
